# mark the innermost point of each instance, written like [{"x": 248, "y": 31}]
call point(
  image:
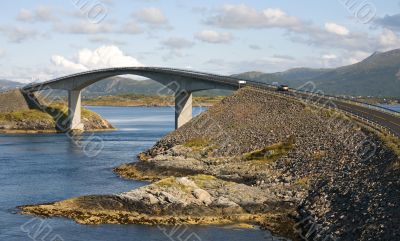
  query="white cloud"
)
[
  {"x": 354, "y": 57},
  {"x": 18, "y": 34},
  {"x": 85, "y": 27},
  {"x": 329, "y": 56},
  {"x": 330, "y": 60},
  {"x": 283, "y": 56},
  {"x": 2, "y": 53},
  {"x": 67, "y": 64},
  {"x": 389, "y": 40},
  {"x": 243, "y": 16},
  {"x": 175, "y": 47},
  {"x": 255, "y": 47},
  {"x": 102, "y": 57},
  {"x": 105, "y": 40},
  {"x": 153, "y": 16},
  {"x": 210, "y": 36},
  {"x": 332, "y": 35},
  {"x": 40, "y": 14},
  {"x": 131, "y": 28},
  {"x": 336, "y": 29},
  {"x": 177, "y": 43}
]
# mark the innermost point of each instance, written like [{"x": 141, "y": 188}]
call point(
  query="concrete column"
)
[
  {"x": 183, "y": 108},
  {"x": 74, "y": 110}
]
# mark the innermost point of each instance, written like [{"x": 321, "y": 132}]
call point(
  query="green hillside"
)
[{"x": 377, "y": 75}]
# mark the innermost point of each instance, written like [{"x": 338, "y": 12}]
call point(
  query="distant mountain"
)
[
  {"x": 7, "y": 84},
  {"x": 123, "y": 85},
  {"x": 377, "y": 75}
]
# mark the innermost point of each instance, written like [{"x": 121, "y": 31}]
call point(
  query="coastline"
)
[
  {"x": 145, "y": 106},
  {"x": 269, "y": 179},
  {"x": 33, "y": 132}
]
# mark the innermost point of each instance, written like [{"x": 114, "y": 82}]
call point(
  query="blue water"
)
[
  {"x": 393, "y": 107},
  {"x": 51, "y": 167}
]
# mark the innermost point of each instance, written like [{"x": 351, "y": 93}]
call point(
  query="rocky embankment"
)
[
  {"x": 261, "y": 159},
  {"x": 19, "y": 114}
]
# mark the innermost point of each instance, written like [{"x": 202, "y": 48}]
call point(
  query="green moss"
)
[
  {"x": 271, "y": 153},
  {"x": 197, "y": 143},
  {"x": 204, "y": 181},
  {"x": 56, "y": 112},
  {"x": 25, "y": 115},
  {"x": 202, "y": 178},
  {"x": 171, "y": 182}
]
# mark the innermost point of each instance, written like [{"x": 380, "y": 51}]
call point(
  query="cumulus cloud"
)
[
  {"x": 131, "y": 28},
  {"x": 243, "y": 16},
  {"x": 67, "y": 64},
  {"x": 210, "y": 36},
  {"x": 84, "y": 27},
  {"x": 331, "y": 35},
  {"x": 336, "y": 29},
  {"x": 389, "y": 21},
  {"x": 254, "y": 47},
  {"x": 18, "y": 34},
  {"x": 177, "y": 43},
  {"x": 175, "y": 47},
  {"x": 102, "y": 57},
  {"x": 40, "y": 14},
  {"x": 265, "y": 64},
  {"x": 105, "y": 40},
  {"x": 389, "y": 40},
  {"x": 152, "y": 16},
  {"x": 329, "y": 56},
  {"x": 282, "y": 56}
]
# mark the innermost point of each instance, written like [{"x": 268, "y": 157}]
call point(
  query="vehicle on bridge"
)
[
  {"x": 242, "y": 83},
  {"x": 282, "y": 88}
]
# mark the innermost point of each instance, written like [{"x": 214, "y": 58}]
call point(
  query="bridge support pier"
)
[
  {"x": 74, "y": 110},
  {"x": 183, "y": 108}
]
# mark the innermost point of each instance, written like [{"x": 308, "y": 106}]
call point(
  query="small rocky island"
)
[
  {"x": 261, "y": 159},
  {"x": 22, "y": 114}
]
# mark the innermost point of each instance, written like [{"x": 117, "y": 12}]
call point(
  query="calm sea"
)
[{"x": 51, "y": 167}]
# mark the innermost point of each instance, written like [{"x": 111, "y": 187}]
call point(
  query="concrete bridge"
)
[
  {"x": 181, "y": 82},
  {"x": 184, "y": 82}
]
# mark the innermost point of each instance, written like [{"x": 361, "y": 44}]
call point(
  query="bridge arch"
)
[{"x": 181, "y": 82}]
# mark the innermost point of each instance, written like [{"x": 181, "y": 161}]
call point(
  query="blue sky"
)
[{"x": 44, "y": 39}]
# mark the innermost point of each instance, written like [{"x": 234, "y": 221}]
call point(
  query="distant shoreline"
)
[
  {"x": 135, "y": 100},
  {"x": 147, "y": 106}
]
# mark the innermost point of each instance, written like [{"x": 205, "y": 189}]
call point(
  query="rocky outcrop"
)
[
  {"x": 13, "y": 100},
  {"x": 22, "y": 114},
  {"x": 199, "y": 199},
  {"x": 264, "y": 159}
]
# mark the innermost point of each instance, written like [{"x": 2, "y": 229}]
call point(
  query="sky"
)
[{"x": 41, "y": 40}]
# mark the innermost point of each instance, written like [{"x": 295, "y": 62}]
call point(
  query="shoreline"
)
[
  {"x": 144, "y": 106},
  {"x": 271, "y": 179},
  {"x": 33, "y": 132}
]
